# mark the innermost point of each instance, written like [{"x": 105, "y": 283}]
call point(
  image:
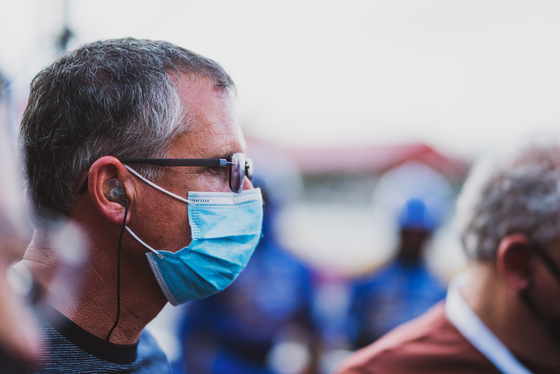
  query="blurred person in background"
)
[
  {"x": 134, "y": 142},
  {"x": 503, "y": 313},
  {"x": 402, "y": 289},
  {"x": 263, "y": 323},
  {"x": 418, "y": 199},
  {"x": 19, "y": 337}
]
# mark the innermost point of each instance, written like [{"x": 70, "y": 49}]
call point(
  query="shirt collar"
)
[{"x": 476, "y": 332}]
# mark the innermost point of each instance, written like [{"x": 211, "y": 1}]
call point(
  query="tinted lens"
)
[{"x": 237, "y": 172}]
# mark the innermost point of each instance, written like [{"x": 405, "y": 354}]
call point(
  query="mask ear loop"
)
[
  {"x": 119, "y": 271},
  {"x": 156, "y": 186}
]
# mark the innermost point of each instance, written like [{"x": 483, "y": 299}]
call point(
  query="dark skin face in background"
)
[{"x": 411, "y": 245}]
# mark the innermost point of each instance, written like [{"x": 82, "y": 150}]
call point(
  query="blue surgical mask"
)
[{"x": 225, "y": 230}]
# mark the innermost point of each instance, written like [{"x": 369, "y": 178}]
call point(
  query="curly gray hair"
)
[
  {"x": 518, "y": 193},
  {"x": 114, "y": 97}
]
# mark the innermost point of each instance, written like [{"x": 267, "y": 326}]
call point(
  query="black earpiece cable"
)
[{"x": 119, "y": 271}]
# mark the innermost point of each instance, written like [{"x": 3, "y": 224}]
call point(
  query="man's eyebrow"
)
[
  {"x": 211, "y": 155},
  {"x": 226, "y": 156},
  {"x": 221, "y": 153}
]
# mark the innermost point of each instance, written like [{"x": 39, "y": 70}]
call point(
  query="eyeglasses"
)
[{"x": 239, "y": 167}]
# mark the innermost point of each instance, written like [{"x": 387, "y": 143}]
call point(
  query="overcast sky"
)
[{"x": 461, "y": 75}]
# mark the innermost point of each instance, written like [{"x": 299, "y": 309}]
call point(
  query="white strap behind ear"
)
[
  {"x": 143, "y": 243},
  {"x": 156, "y": 186}
]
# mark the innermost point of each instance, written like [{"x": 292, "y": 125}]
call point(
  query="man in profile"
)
[
  {"x": 133, "y": 143},
  {"x": 503, "y": 314}
]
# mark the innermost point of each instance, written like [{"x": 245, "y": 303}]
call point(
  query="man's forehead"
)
[
  {"x": 191, "y": 83},
  {"x": 208, "y": 137}
]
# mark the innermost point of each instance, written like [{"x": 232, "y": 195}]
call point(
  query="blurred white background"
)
[{"x": 459, "y": 75}]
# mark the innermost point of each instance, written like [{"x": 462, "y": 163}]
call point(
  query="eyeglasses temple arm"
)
[{"x": 210, "y": 162}]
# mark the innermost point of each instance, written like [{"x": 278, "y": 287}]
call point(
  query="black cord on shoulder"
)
[{"x": 119, "y": 271}]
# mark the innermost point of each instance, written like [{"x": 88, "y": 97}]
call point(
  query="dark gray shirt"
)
[{"x": 71, "y": 349}]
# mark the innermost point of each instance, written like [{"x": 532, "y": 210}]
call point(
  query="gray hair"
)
[
  {"x": 114, "y": 97},
  {"x": 515, "y": 194}
]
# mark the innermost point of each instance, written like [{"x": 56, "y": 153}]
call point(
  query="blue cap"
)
[{"x": 416, "y": 215}]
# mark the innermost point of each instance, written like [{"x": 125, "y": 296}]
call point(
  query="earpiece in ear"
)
[{"x": 114, "y": 191}]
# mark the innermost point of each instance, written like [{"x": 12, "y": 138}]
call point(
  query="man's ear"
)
[
  {"x": 110, "y": 189},
  {"x": 513, "y": 261}
]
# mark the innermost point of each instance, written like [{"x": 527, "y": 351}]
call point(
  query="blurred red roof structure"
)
[{"x": 373, "y": 159}]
